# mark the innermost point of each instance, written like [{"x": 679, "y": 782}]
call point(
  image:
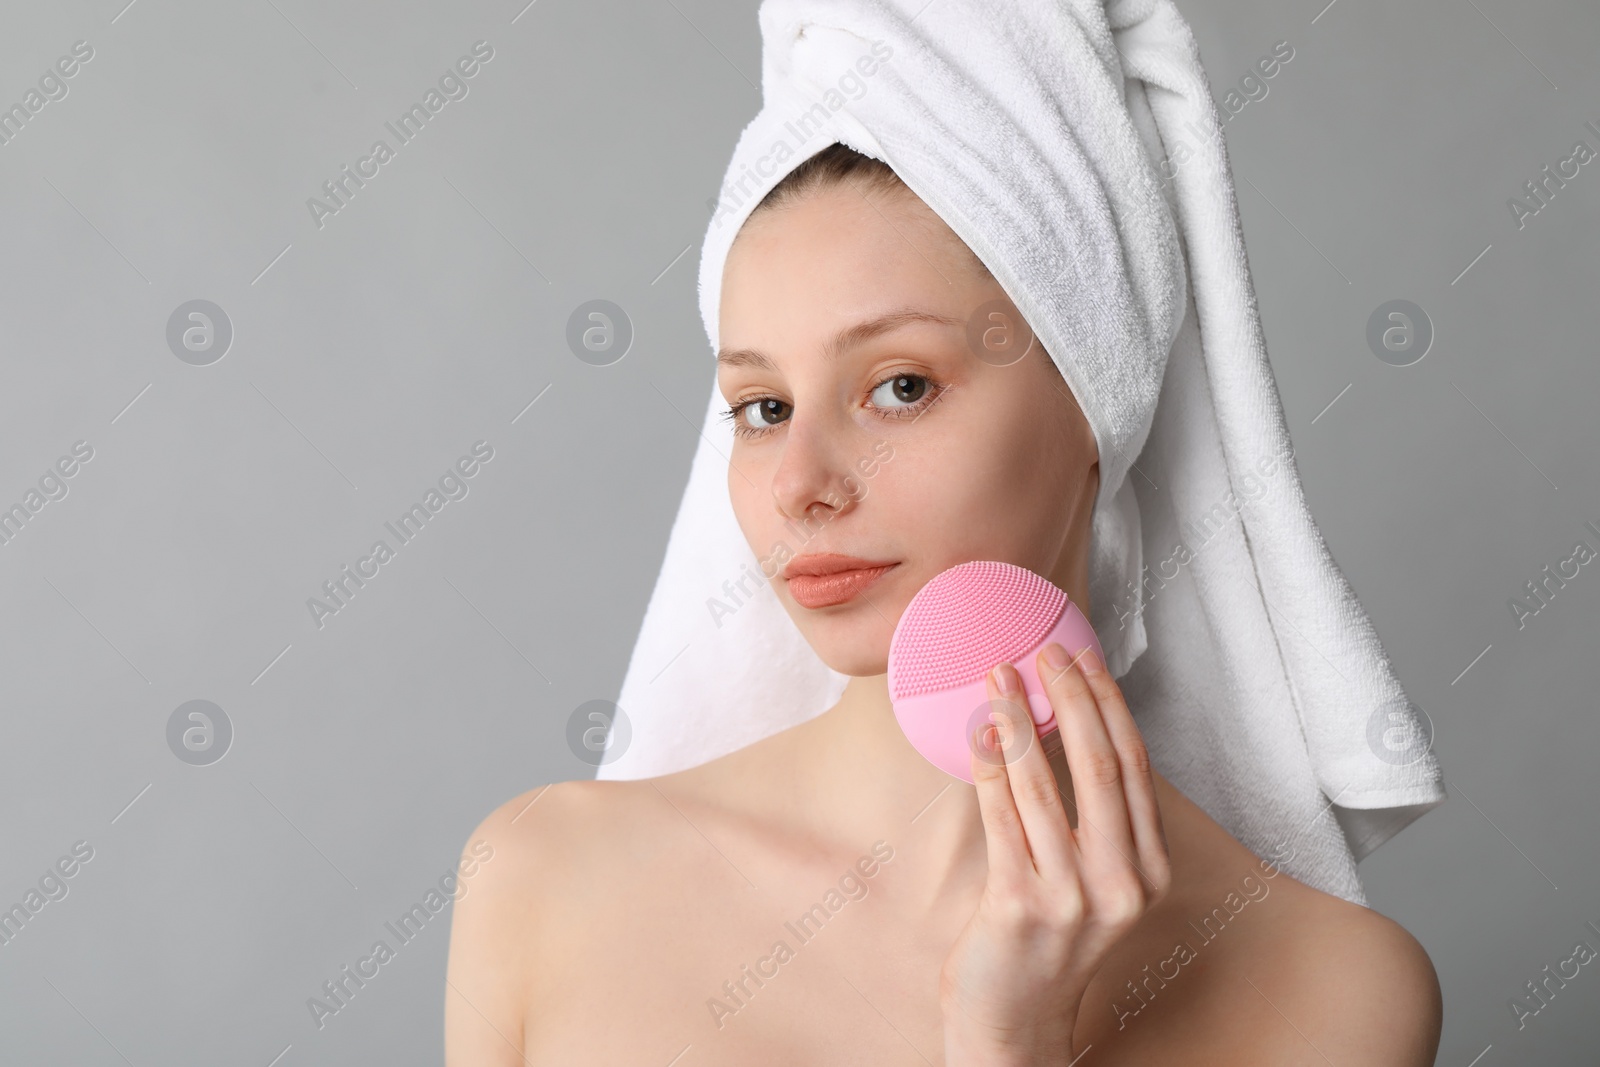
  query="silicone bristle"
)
[{"x": 965, "y": 621}]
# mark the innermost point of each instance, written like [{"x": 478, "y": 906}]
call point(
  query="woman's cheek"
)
[{"x": 759, "y": 525}]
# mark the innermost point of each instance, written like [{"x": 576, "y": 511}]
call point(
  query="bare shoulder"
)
[
  {"x": 1265, "y": 969},
  {"x": 522, "y": 858},
  {"x": 528, "y": 830},
  {"x": 537, "y": 845},
  {"x": 1353, "y": 982}
]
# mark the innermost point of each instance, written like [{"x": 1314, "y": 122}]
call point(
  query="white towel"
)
[{"x": 1075, "y": 146}]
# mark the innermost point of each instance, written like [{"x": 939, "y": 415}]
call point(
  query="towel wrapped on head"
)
[{"x": 1038, "y": 132}]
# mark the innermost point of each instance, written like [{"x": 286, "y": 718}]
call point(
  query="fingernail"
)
[
  {"x": 1090, "y": 661},
  {"x": 1005, "y": 676},
  {"x": 1056, "y": 657}
]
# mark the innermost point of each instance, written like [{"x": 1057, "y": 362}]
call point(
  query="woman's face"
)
[{"x": 868, "y": 425}]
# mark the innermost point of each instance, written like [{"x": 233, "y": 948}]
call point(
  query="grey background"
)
[{"x": 430, "y": 311}]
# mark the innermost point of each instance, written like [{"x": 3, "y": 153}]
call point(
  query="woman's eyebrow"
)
[{"x": 845, "y": 338}]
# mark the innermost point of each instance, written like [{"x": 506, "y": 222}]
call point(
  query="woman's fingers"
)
[
  {"x": 1106, "y": 844},
  {"x": 1006, "y": 840},
  {"x": 1139, "y": 787},
  {"x": 1034, "y": 790}
]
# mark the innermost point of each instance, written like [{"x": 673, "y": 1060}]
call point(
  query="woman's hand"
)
[{"x": 1057, "y": 899}]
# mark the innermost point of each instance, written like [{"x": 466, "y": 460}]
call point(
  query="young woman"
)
[{"x": 827, "y": 896}]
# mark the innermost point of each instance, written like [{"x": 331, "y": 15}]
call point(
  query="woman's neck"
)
[
  {"x": 863, "y": 782},
  {"x": 850, "y": 778}
]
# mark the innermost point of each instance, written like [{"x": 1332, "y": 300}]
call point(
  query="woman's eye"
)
[
  {"x": 901, "y": 396},
  {"x": 765, "y": 413},
  {"x": 901, "y": 391}
]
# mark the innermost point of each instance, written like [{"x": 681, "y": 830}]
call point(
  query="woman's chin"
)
[
  {"x": 859, "y": 657},
  {"x": 858, "y": 666},
  {"x": 853, "y": 637}
]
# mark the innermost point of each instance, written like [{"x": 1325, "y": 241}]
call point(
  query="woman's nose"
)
[{"x": 813, "y": 470}]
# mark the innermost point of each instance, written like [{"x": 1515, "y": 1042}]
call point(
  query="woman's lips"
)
[{"x": 826, "y": 590}]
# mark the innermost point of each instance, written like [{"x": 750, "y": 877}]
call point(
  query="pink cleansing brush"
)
[{"x": 957, "y": 627}]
